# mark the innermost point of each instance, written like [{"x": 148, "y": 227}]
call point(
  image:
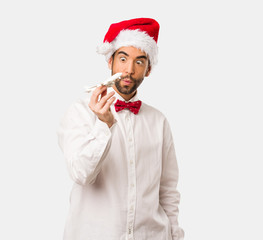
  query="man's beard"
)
[{"x": 126, "y": 89}]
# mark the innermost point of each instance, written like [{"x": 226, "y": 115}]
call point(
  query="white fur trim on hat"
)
[{"x": 135, "y": 38}]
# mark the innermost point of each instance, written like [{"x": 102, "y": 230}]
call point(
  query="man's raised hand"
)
[{"x": 100, "y": 103}]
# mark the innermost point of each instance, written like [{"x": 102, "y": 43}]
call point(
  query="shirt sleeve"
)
[
  {"x": 83, "y": 139},
  {"x": 169, "y": 195}
]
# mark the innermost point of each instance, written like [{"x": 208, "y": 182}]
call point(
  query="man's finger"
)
[
  {"x": 96, "y": 93},
  {"x": 107, "y": 105},
  {"x": 104, "y": 99},
  {"x": 104, "y": 93}
]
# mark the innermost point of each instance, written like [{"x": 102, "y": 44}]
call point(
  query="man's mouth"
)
[{"x": 126, "y": 81}]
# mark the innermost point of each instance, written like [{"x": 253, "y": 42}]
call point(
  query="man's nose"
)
[{"x": 130, "y": 67}]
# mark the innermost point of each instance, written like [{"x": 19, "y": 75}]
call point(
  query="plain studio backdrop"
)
[{"x": 208, "y": 83}]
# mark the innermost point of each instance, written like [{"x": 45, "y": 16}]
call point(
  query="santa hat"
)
[{"x": 141, "y": 33}]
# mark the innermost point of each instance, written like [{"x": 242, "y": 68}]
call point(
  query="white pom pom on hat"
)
[{"x": 141, "y": 33}]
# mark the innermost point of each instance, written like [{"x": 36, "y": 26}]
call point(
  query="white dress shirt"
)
[{"x": 125, "y": 176}]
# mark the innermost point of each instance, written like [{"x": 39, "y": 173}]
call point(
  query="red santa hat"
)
[{"x": 141, "y": 33}]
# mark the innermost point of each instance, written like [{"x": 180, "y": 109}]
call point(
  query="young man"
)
[{"x": 120, "y": 151}]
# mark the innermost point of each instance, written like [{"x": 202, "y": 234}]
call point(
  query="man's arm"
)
[
  {"x": 84, "y": 137},
  {"x": 169, "y": 196}
]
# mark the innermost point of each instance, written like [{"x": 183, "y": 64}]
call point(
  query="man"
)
[{"x": 120, "y": 151}]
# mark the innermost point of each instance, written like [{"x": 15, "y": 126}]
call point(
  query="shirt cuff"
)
[{"x": 101, "y": 129}]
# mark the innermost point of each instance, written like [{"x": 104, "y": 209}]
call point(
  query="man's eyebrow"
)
[
  {"x": 122, "y": 52},
  {"x": 143, "y": 56},
  {"x": 126, "y": 54}
]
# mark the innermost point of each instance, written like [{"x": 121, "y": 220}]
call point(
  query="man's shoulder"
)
[{"x": 152, "y": 111}]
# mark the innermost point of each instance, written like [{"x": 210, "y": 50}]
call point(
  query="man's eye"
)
[
  {"x": 139, "y": 62},
  {"x": 122, "y": 59}
]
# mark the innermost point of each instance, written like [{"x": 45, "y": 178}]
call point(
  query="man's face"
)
[{"x": 134, "y": 66}]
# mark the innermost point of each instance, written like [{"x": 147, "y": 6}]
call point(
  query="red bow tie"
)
[{"x": 132, "y": 106}]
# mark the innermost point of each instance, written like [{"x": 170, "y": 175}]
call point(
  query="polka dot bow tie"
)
[{"x": 132, "y": 106}]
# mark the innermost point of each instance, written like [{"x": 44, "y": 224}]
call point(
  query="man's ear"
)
[
  {"x": 110, "y": 63},
  {"x": 148, "y": 71}
]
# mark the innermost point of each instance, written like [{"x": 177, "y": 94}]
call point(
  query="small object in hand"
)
[{"x": 108, "y": 83}]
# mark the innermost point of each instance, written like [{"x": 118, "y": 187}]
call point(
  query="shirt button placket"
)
[{"x": 131, "y": 179}]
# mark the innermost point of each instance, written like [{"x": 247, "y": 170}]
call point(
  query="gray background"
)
[{"x": 207, "y": 83}]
